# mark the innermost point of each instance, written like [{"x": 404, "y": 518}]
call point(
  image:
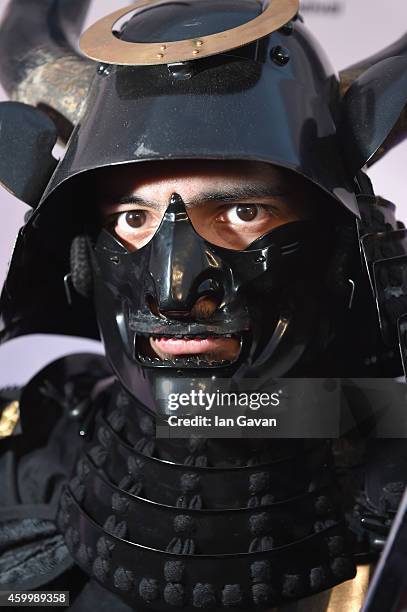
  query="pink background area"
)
[{"x": 350, "y": 30}]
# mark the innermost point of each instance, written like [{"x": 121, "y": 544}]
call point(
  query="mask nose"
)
[
  {"x": 203, "y": 309},
  {"x": 185, "y": 273}
]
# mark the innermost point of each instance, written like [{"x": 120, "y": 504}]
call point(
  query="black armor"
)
[{"x": 161, "y": 524}]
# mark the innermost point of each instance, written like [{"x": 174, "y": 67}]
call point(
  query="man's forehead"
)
[{"x": 192, "y": 176}]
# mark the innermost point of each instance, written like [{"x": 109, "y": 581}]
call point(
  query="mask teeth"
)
[
  {"x": 183, "y": 362},
  {"x": 188, "y": 336},
  {"x": 150, "y": 360}
]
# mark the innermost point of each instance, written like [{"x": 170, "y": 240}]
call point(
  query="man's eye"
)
[
  {"x": 133, "y": 219},
  {"x": 134, "y": 228},
  {"x": 245, "y": 213}
]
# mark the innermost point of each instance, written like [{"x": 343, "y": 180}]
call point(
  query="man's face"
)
[{"x": 230, "y": 204}]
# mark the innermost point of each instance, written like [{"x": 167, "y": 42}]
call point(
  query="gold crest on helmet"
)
[{"x": 100, "y": 44}]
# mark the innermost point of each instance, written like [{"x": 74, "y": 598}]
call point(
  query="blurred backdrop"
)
[{"x": 350, "y": 30}]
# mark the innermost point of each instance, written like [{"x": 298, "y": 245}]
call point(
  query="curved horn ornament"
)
[
  {"x": 372, "y": 107},
  {"x": 380, "y": 78},
  {"x": 40, "y": 63}
]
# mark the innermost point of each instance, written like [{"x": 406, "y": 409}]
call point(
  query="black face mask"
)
[{"x": 151, "y": 292}]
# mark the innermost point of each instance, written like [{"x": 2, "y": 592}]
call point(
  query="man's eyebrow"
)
[
  {"x": 137, "y": 200},
  {"x": 237, "y": 194},
  {"x": 229, "y": 194}
]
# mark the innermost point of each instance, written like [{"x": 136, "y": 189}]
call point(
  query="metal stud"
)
[
  {"x": 103, "y": 69},
  {"x": 280, "y": 55}
]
